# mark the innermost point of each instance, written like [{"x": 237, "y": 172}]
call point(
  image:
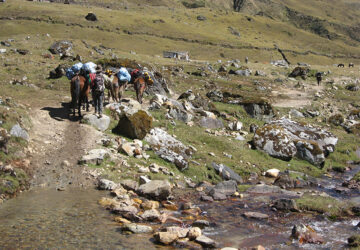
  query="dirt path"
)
[
  {"x": 289, "y": 96},
  {"x": 57, "y": 143}
]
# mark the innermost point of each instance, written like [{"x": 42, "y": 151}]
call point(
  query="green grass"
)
[{"x": 324, "y": 205}]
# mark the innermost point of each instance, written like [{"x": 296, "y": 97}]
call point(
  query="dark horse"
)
[
  {"x": 79, "y": 89},
  {"x": 341, "y": 65},
  {"x": 140, "y": 85}
]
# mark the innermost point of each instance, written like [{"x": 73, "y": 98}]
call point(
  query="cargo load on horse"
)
[
  {"x": 73, "y": 70},
  {"x": 89, "y": 67},
  {"x": 123, "y": 75}
]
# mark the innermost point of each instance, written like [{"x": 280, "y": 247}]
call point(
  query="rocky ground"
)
[{"x": 222, "y": 153}]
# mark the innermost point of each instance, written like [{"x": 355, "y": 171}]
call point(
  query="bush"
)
[
  {"x": 336, "y": 119},
  {"x": 194, "y": 5}
]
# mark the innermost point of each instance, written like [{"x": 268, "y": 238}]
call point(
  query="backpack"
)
[{"x": 99, "y": 85}]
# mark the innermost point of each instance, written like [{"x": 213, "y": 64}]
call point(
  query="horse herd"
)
[
  {"x": 80, "y": 89},
  {"x": 341, "y": 65}
]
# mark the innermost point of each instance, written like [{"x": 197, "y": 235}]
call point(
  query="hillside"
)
[{"x": 234, "y": 147}]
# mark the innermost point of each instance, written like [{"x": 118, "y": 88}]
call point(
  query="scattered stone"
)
[
  {"x": 273, "y": 173},
  {"x": 211, "y": 123},
  {"x": 17, "y": 131},
  {"x": 255, "y": 215},
  {"x": 129, "y": 184},
  {"x": 22, "y": 51},
  {"x": 206, "y": 241},
  {"x": 134, "y": 123},
  {"x": 207, "y": 198},
  {"x": 101, "y": 124},
  {"x": 305, "y": 234},
  {"x": 61, "y": 47},
  {"x": 286, "y": 204},
  {"x": 144, "y": 179},
  {"x": 137, "y": 229},
  {"x": 201, "y": 18},
  {"x": 223, "y": 189},
  {"x": 227, "y": 173},
  {"x": 58, "y": 72},
  {"x": 194, "y": 232},
  {"x": 157, "y": 189},
  {"x": 147, "y": 205},
  {"x": 181, "y": 232},
  {"x": 151, "y": 215},
  {"x": 201, "y": 223},
  {"x": 104, "y": 184},
  {"x": 94, "y": 156},
  {"x": 235, "y": 126},
  {"x": 166, "y": 238},
  {"x": 168, "y": 148},
  {"x": 91, "y": 17}
]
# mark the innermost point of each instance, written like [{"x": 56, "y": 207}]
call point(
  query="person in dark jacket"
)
[
  {"x": 97, "y": 90},
  {"x": 318, "y": 78}
]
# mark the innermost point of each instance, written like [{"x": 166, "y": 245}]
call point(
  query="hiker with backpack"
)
[
  {"x": 318, "y": 78},
  {"x": 97, "y": 90}
]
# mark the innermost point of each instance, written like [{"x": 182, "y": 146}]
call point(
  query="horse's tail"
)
[{"x": 77, "y": 90}]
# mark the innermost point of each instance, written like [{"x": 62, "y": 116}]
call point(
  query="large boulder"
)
[
  {"x": 100, "y": 123},
  {"x": 275, "y": 141},
  {"x": 18, "y": 131},
  {"x": 285, "y": 138},
  {"x": 61, "y": 47},
  {"x": 180, "y": 114},
  {"x": 157, "y": 189},
  {"x": 160, "y": 85},
  {"x": 91, "y": 17},
  {"x": 227, "y": 173},
  {"x": 169, "y": 148},
  {"x": 300, "y": 71},
  {"x": 260, "y": 109},
  {"x": 134, "y": 123},
  {"x": 58, "y": 72},
  {"x": 223, "y": 189},
  {"x": 211, "y": 123}
]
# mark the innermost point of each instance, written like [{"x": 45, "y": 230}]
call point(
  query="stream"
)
[{"x": 72, "y": 219}]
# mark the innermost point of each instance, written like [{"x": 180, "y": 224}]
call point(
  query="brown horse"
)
[
  {"x": 140, "y": 85},
  {"x": 79, "y": 89},
  {"x": 115, "y": 87}
]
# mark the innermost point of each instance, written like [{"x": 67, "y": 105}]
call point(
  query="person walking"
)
[
  {"x": 318, "y": 78},
  {"x": 97, "y": 90}
]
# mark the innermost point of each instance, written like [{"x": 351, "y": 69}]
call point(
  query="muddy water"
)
[{"x": 72, "y": 219}]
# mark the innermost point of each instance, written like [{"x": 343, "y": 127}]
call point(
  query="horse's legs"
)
[
  {"x": 122, "y": 89},
  {"x": 87, "y": 102}
]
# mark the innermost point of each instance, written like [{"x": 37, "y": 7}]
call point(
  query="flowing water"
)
[
  {"x": 46, "y": 218},
  {"x": 49, "y": 219}
]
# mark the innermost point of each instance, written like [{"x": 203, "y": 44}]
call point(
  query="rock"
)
[
  {"x": 134, "y": 124},
  {"x": 256, "y": 215},
  {"x": 285, "y": 181},
  {"x": 127, "y": 148},
  {"x": 181, "y": 232},
  {"x": 129, "y": 184},
  {"x": 168, "y": 148},
  {"x": 194, "y": 232},
  {"x": 235, "y": 126},
  {"x": 245, "y": 72},
  {"x": 286, "y": 204},
  {"x": 306, "y": 234},
  {"x": 260, "y": 73},
  {"x": 206, "y": 241},
  {"x": 201, "y": 18},
  {"x": 2, "y": 51},
  {"x": 151, "y": 215},
  {"x": 222, "y": 69},
  {"x": 104, "y": 184},
  {"x": 147, "y": 205},
  {"x": 215, "y": 95},
  {"x": 296, "y": 113},
  {"x": 201, "y": 224},
  {"x": 285, "y": 138},
  {"x": 185, "y": 243},
  {"x": 144, "y": 179},
  {"x": 119, "y": 191},
  {"x": 137, "y": 229},
  {"x": 223, "y": 189},
  {"x": 127, "y": 211},
  {"x": 157, "y": 189},
  {"x": 17, "y": 131},
  {"x": 108, "y": 203},
  {"x": 101, "y": 124},
  {"x": 22, "y": 51},
  {"x": 253, "y": 128},
  {"x": 121, "y": 220},
  {"x": 166, "y": 238},
  {"x": 180, "y": 114},
  {"x": 259, "y": 109},
  {"x": 275, "y": 141},
  {"x": 207, "y": 198},
  {"x": 300, "y": 71},
  {"x": 91, "y": 17},
  {"x": 280, "y": 63},
  {"x": 273, "y": 173},
  {"x": 354, "y": 241},
  {"x": 61, "y": 47},
  {"x": 227, "y": 173},
  {"x": 211, "y": 123},
  {"x": 58, "y": 72},
  {"x": 94, "y": 156}
]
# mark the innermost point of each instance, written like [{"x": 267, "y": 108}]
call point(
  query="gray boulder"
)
[
  {"x": 134, "y": 123},
  {"x": 286, "y": 204},
  {"x": 211, "y": 123},
  {"x": 157, "y": 189},
  {"x": 245, "y": 72},
  {"x": 285, "y": 138},
  {"x": 18, "y": 131},
  {"x": 169, "y": 148},
  {"x": 223, "y": 189},
  {"x": 227, "y": 173},
  {"x": 129, "y": 184},
  {"x": 104, "y": 184},
  {"x": 215, "y": 95},
  {"x": 95, "y": 156},
  {"x": 180, "y": 114},
  {"x": 101, "y": 124},
  {"x": 61, "y": 47}
]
